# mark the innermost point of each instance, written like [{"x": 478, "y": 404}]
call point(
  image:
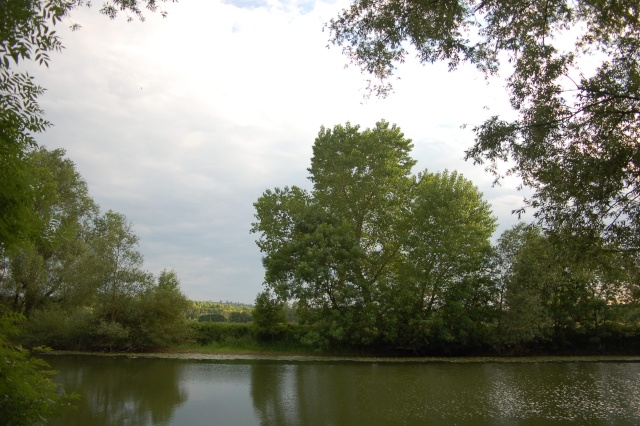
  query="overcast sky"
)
[{"x": 182, "y": 123}]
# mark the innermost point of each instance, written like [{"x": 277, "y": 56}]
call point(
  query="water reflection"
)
[
  {"x": 572, "y": 393},
  {"x": 442, "y": 394},
  {"x": 120, "y": 391},
  {"x": 273, "y": 392},
  {"x": 173, "y": 392}
]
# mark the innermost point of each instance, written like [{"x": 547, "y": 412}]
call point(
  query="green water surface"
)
[{"x": 139, "y": 391}]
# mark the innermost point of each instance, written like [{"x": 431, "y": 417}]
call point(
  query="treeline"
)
[
  {"x": 380, "y": 259},
  {"x": 231, "y": 312},
  {"x": 374, "y": 258},
  {"x": 220, "y": 312},
  {"x": 76, "y": 274}
]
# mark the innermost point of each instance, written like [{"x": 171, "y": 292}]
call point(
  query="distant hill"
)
[{"x": 220, "y": 311}]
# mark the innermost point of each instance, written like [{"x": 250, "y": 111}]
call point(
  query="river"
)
[{"x": 146, "y": 391}]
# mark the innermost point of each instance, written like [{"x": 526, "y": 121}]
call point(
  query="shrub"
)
[
  {"x": 208, "y": 332},
  {"x": 27, "y": 394}
]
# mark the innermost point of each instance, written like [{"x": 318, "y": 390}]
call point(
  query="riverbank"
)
[{"x": 280, "y": 357}]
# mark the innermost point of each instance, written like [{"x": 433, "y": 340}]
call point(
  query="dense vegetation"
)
[
  {"x": 77, "y": 276},
  {"x": 377, "y": 258},
  {"x": 220, "y": 312},
  {"x": 374, "y": 258}
]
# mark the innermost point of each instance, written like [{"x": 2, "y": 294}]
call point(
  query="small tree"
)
[
  {"x": 269, "y": 316},
  {"x": 159, "y": 317}
]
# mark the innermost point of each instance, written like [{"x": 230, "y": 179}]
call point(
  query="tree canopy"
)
[
  {"x": 373, "y": 254},
  {"x": 574, "y": 82},
  {"x": 78, "y": 275}
]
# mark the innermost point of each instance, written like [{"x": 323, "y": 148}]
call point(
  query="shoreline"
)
[{"x": 279, "y": 357}]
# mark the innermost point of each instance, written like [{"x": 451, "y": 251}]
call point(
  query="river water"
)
[{"x": 141, "y": 391}]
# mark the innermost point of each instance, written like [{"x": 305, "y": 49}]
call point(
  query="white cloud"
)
[{"x": 181, "y": 123}]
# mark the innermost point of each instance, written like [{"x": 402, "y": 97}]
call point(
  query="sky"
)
[{"x": 182, "y": 123}]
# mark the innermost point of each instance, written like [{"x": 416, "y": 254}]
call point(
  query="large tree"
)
[
  {"x": 46, "y": 264},
  {"x": 372, "y": 249},
  {"x": 574, "y": 82},
  {"x": 441, "y": 284}
]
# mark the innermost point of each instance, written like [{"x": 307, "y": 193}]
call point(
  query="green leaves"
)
[
  {"x": 371, "y": 249},
  {"x": 373, "y": 35},
  {"x": 574, "y": 141},
  {"x": 45, "y": 256},
  {"x": 27, "y": 34},
  {"x": 29, "y": 395},
  {"x": 552, "y": 289}
]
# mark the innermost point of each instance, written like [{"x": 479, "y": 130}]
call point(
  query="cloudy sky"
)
[{"x": 182, "y": 123}]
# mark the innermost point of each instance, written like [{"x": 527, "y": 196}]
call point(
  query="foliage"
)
[
  {"x": 574, "y": 83},
  {"x": 15, "y": 193},
  {"x": 208, "y": 332},
  {"x": 373, "y": 255},
  {"x": 77, "y": 275},
  {"x": 446, "y": 246},
  {"x": 27, "y": 34},
  {"x": 215, "y": 316},
  {"x": 269, "y": 316},
  {"x": 554, "y": 295},
  {"x": 41, "y": 264},
  {"x": 152, "y": 318},
  {"x": 59, "y": 328},
  {"x": 242, "y": 317},
  {"x": 158, "y": 314},
  {"x": 121, "y": 276},
  {"x": 28, "y": 396},
  {"x": 216, "y": 311}
]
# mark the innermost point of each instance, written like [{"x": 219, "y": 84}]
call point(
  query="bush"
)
[
  {"x": 240, "y": 317},
  {"x": 27, "y": 394},
  {"x": 216, "y": 316},
  {"x": 208, "y": 332},
  {"x": 58, "y": 329},
  {"x": 269, "y": 316},
  {"x": 111, "y": 335},
  {"x": 158, "y": 319}
]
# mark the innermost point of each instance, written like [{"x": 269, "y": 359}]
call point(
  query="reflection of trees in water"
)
[
  {"x": 309, "y": 394},
  {"x": 602, "y": 393},
  {"x": 272, "y": 393},
  {"x": 372, "y": 394},
  {"x": 121, "y": 391},
  {"x": 330, "y": 395},
  {"x": 443, "y": 394}
]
